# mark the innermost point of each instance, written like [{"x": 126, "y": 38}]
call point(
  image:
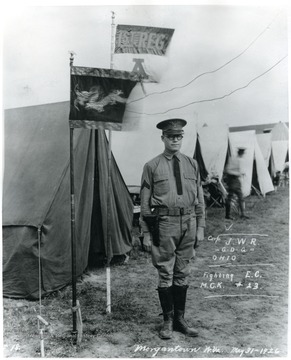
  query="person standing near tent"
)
[
  {"x": 173, "y": 220},
  {"x": 234, "y": 173},
  {"x": 276, "y": 180}
]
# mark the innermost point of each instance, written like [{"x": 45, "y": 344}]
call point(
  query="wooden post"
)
[
  {"x": 108, "y": 247},
  {"x": 73, "y": 225}
]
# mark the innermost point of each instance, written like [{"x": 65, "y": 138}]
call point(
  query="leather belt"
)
[{"x": 174, "y": 211}]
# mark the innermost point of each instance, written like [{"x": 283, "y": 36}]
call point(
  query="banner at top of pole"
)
[
  {"x": 99, "y": 96},
  {"x": 142, "y": 50},
  {"x": 142, "y": 39}
]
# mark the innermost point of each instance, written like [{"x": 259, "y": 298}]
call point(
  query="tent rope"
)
[
  {"x": 39, "y": 269},
  {"x": 40, "y": 319},
  {"x": 257, "y": 192}
]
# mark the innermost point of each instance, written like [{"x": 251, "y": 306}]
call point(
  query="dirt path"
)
[{"x": 238, "y": 298}]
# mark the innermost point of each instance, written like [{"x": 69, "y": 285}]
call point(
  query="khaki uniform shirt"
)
[
  {"x": 234, "y": 166},
  {"x": 158, "y": 186}
]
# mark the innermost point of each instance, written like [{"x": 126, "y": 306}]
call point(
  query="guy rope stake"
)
[
  {"x": 41, "y": 330},
  {"x": 77, "y": 310}
]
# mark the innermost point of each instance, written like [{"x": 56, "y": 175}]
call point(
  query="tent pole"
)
[
  {"x": 108, "y": 250},
  {"x": 73, "y": 224},
  {"x": 108, "y": 244},
  {"x": 73, "y": 235}
]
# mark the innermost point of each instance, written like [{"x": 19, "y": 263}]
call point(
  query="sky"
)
[{"x": 225, "y": 63}]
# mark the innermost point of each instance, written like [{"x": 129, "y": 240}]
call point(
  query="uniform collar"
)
[{"x": 169, "y": 155}]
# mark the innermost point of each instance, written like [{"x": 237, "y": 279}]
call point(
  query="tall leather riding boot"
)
[
  {"x": 241, "y": 206},
  {"x": 242, "y": 210},
  {"x": 166, "y": 300},
  {"x": 180, "y": 324},
  {"x": 227, "y": 209}
]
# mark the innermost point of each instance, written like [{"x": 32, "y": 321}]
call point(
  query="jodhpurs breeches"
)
[
  {"x": 172, "y": 257},
  {"x": 234, "y": 187}
]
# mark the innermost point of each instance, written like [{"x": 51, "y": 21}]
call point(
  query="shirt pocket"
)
[
  {"x": 191, "y": 183},
  {"x": 161, "y": 184}
]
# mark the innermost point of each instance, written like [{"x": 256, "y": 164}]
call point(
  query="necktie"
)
[{"x": 177, "y": 175}]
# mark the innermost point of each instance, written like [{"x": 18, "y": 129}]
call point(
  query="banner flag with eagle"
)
[
  {"x": 142, "y": 50},
  {"x": 99, "y": 96}
]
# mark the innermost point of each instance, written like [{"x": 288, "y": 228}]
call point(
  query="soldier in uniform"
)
[
  {"x": 172, "y": 220},
  {"x": 233, "y": 180}
]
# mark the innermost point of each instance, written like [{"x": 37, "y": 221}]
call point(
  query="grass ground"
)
[{"x": 239, "y": 304}]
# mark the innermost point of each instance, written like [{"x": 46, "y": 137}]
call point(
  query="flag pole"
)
[
  {"x": 112, "y": 38},
  {"x": 73, "y": 232},
  {"x": 108, "y": 275}
]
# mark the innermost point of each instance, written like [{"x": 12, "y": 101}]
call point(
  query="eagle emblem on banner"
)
[
  {"x": 96, "y": 99},
  {"x": 99, "y": 97}
]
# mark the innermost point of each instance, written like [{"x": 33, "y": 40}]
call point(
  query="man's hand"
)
[
  {"x": 147, "y": 242},
  {"x": 199, "y": 236}
]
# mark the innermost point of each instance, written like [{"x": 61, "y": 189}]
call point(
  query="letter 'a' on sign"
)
[
  {"x": 142, "y": 50},
  {"x": 99, "y": 96}
]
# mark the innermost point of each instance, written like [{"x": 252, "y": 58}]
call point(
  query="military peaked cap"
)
[
  {"x": 241, "y": 149},
  {"x": 172, "y": 126}
]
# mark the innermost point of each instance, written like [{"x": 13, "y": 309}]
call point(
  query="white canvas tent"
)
[
  {"x": 279, "y": 155},
  {"x": 253, "y": 156},
  {"x": 132, "y": 149},
  {"x": 280, "y": 132},
  {"x": 265, "y": 143},
  {"x": 213, "y": 142},
  {"x": 280, "y": 143}
]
